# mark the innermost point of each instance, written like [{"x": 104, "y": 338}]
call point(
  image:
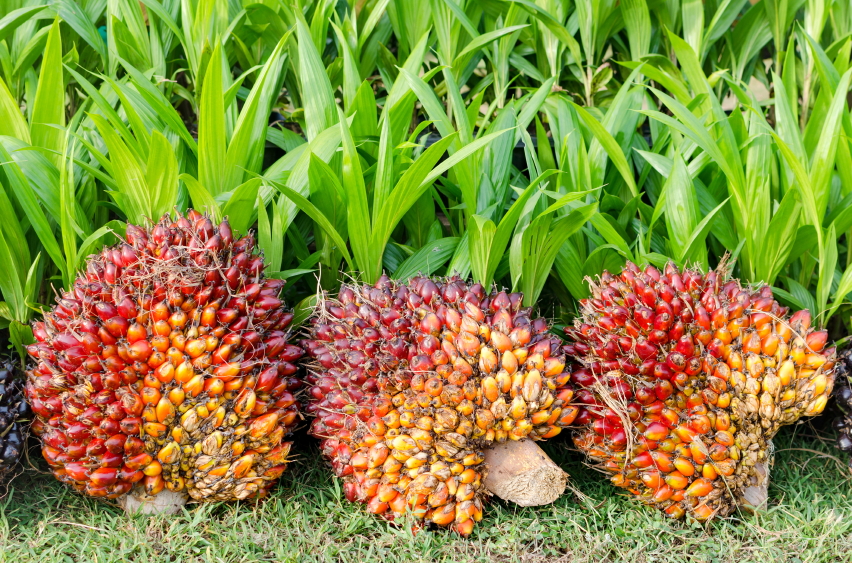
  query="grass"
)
[{"x": 306, "y": 519}]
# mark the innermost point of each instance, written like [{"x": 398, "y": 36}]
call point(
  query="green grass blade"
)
[
  {"x": 610, "y": 235},
  {"x": 462, "y": 154},
  {"x": 49, "y": 105},
  {"x": 27, "y": 56},
  {"x": 456, "y": 107},
  {"x": 297, "y": 164},
  {"x": 161, "y": 175},
  {"x": 688, "y": 125},
  {"x": 141, "y": 138},
  {"x": 827, "y": 266},
  {"x": 411, "y": 186},
  {"x": 160, "y": 105},
  {"x": 74, "y": 16},
  {"x": 788, "y": 75},
  {"x": 541, "y": 242},
  {"x": 588, "y": 18},
  {"x": 553, "y": 26},
  {"x": 804, "y": 185},
  {"x": 433, "y": 106},
  {"x": 13, "y": 231},
  {"x": 240, "y": 209},
  {"x": 695, "y": 246},
  {"x": 133, "y": 196},
  {"x": 376, "y": 14},
  {"x": 462, "y": 18},
  {"x": 693, "y": 23},
  {"x": 328, "y": 195},
  {"x": 481, "y": 233},
  {"x": 201, "y": 199},
  {"x": 351, "y": 77},
  {"x": 823, "y": 159},
  {"x": 568, "y": 198},
  {"x": 412, "y": 65},
  {"x": 68, "y": 224},
  {"x": 317, "y": 95},
  {"x": 270, "y": 245},
  {"x": 12, "y": 122},
  {"x": 787, "y": 121},
  {"x": 637, "y": 22},
  {"x": 11, "y": 282},
  {"x": 483, "y": 40},
  {"x": 311, "y": 211},
  {"x": 611, "y": 147},
  {"x": 29, "y": 203},
  {"x": 212, "y": 133},
  {"x": 779, "y": 239},
  {"x": 107, "y": 109},
  {"x": 10, "y": 22},
  {"x": 245, "y": 150},
  {"x": 358, "y": 216},
  {"x": 428, "y": 259},
  {"x": 157, "y": 9},
  {"x": 726, "y": 12},
  {"x": 844, "y": 287},
  {"x": 383, "y": 183},
  {"x": 503, "y": 234},
  {"x": 532, "y": 107},
  {"x": 91, "y": 242}
]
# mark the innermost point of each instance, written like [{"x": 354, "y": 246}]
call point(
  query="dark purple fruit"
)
[
  {"x": 13, "y": 409},
  {"x": 843, "y": 423}
]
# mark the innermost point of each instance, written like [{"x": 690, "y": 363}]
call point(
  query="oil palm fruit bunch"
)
[
  {"x": 167, "y": 365},
  {"x": 411, "y": 382},
  {"x": 843, "y": 423},
  {"x": 685, "y": 378},
  {"x": 13, "y": 408}
]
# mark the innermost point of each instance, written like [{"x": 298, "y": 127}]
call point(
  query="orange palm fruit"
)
[
  {"x": 162, "y": 323},
  {"x": 696, "y": 373},
  {"x": 480, "y": 370}
]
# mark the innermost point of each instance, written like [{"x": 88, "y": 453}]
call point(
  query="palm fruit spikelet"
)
[
  {"x": 412, "y": 381},
  {"x": 685, "y": 378},
  {"x": 843, "y": 423},
  {"x": 167, "y": 364},
  {"x": 13, "y": 409}
]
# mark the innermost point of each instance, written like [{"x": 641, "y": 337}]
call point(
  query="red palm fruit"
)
[
  {"x": 154, "y": 410},
  {"x": 709, "y": 396},
  {"x": 448, "y": 371}
]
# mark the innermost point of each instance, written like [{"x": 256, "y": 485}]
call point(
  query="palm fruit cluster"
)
[
  {"x": 13, "y": 408},
  {"x": 167, "y": 366},
  {"x": 411, "y": 382},
  {"x": 685, "y": 378},
  {"x": 843, "y": 423}
]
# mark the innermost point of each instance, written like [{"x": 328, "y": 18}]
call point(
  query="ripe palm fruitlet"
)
[
  {"x": 13, "y": 408},
  {"x": 411, "y": 382},
  {"x": 167, "y": 365},
  {"x": 843, "y": 423},
  {"x": 686, "y": 377}
]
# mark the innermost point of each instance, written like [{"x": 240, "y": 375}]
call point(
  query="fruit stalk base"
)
[
  {"x": 165, "y": 502},
  {"x": 520, "y": 471}
]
